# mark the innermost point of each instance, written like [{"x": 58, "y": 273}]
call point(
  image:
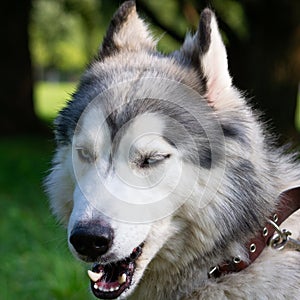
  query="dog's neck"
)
[
  {"x": 196, "y": 271},
  {"x": 159, "y": 284},
  {"x": 289, "y": 202}
]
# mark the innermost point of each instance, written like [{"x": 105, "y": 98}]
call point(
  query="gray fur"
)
[{"x": 229, "y": 138}]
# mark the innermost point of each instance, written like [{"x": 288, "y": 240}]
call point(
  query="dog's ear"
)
[
  {"x": 126, "y": 32},
  {"x": 206, "y": 49}
]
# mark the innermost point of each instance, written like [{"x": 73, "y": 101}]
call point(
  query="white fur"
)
[
  {"x": 215, "y": 67},
  {"x": 132, "y": 33}
]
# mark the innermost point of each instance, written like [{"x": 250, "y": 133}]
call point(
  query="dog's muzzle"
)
[{"x": 92, "y": 240}]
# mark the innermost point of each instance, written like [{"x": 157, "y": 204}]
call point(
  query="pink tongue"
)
[
  {"x": 107, "y": 286},
  {"x": 110, "y": 286}
]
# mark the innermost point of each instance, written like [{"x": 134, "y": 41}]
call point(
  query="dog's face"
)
[
  {"x": 128, "y": 180},
  {"x": 116, "y": 181},
  {"x": 130, "y": 147}
]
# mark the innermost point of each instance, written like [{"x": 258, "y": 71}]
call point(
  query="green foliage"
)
[
  {"x": 232, "y": 12},
  {"x": 64, "y": 34},
  {"x": 34, "y": 260}
]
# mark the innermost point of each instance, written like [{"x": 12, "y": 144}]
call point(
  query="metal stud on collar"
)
[
  {"x": 252, "y": 248},
  {"x": 275, "y": 218},
  {"x": 265, "y": 231},
  {"x": 213, "y": 272},
  {"x": 236, "y": 260}
]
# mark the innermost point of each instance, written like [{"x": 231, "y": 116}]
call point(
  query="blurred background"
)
[{"x": 46, "y": 44}]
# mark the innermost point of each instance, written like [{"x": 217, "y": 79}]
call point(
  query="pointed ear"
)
[
  {"x": 207, "y": 48},
  {"x": 126, "y": 32}
]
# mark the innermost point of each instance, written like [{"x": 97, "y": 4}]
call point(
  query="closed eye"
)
[
  {"x": 85, "y": 155},
  {"x": 152, "y": 160}
]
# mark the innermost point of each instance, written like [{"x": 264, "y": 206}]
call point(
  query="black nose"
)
[{"x": 91, "y": 240}]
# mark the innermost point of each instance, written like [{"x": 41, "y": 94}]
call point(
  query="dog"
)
[{"x": 165, "y": 178}]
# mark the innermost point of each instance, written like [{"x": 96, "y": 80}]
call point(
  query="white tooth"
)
[
  {"x": 96, "y": 286},
  {"x": 94, "y": 276},
  {"x": 122, "y": 279},
  {"x": 111, "y": 289}
]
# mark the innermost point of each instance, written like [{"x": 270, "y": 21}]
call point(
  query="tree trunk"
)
[{"x": 17, "y": 110}]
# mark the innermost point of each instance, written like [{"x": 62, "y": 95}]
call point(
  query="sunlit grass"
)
[{"x": 50, "y": 97}]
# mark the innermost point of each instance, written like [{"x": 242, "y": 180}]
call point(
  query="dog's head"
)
[{"x": 142, "y": 138}]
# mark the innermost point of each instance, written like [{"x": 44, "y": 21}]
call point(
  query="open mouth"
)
[{"x": 109, "y": 281}]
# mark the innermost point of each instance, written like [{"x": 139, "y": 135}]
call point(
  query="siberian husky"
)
[{"x": 165, "y": 179}]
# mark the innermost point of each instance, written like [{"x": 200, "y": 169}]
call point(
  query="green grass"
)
[
  {"x": 50, "y": 97},
  {"x": 34, "y": 260}
]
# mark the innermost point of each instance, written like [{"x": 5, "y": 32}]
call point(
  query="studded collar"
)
[{"x": 269, "y": 235}]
